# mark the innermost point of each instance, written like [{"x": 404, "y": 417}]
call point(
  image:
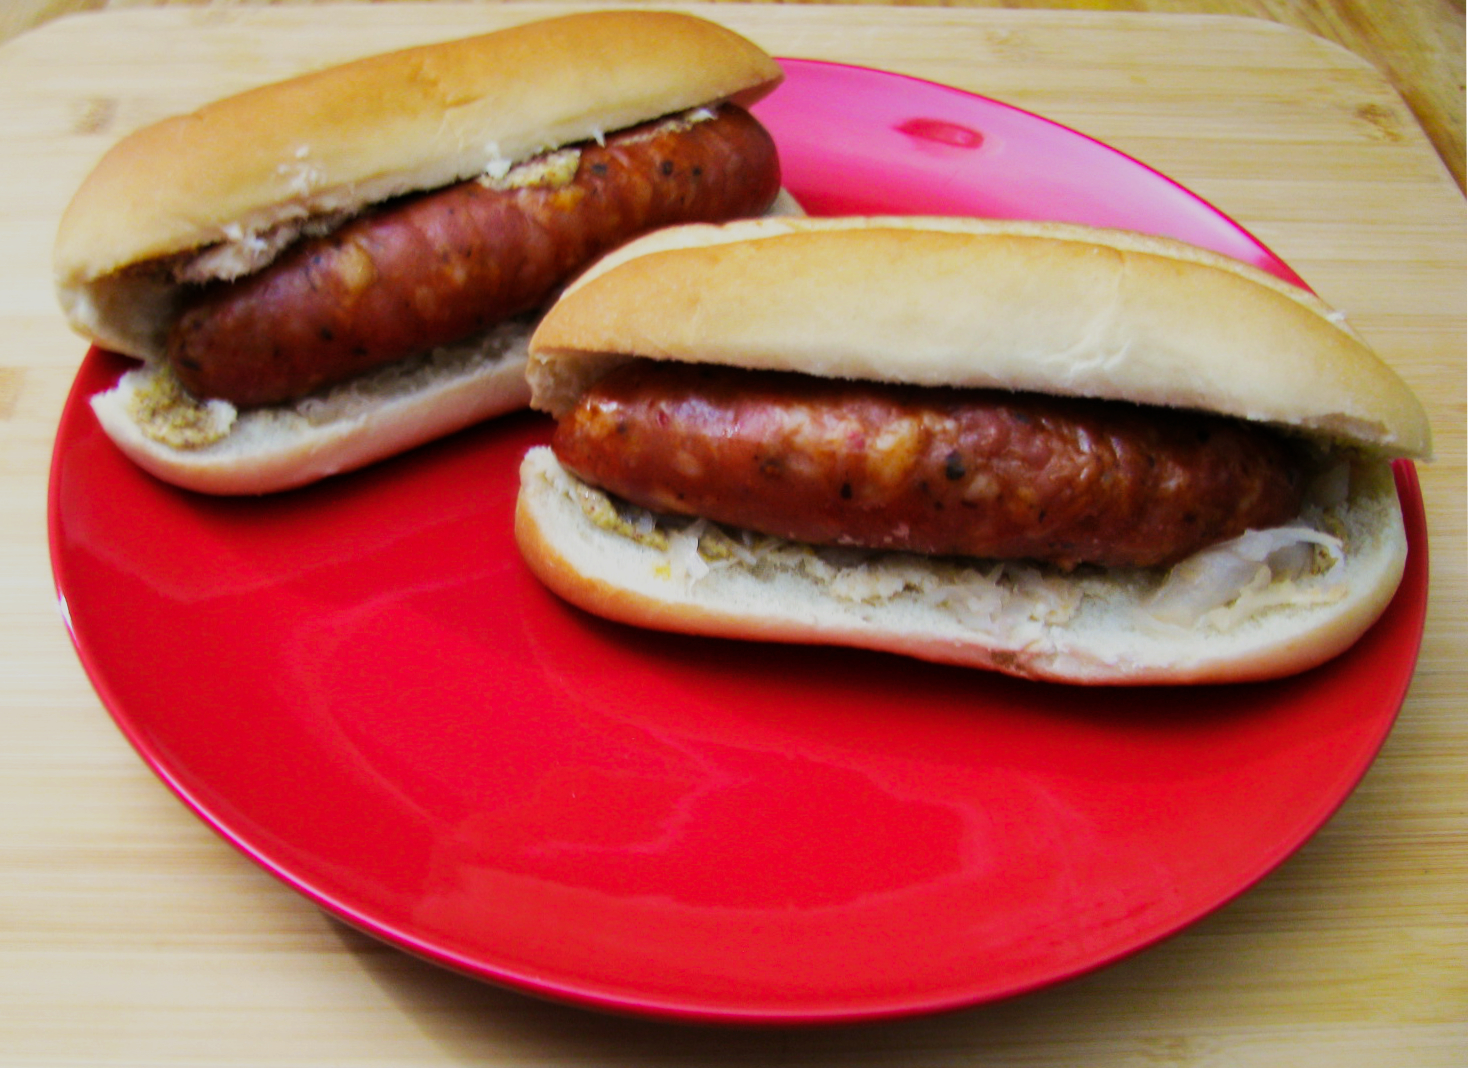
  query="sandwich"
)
[
  {"x": 1059, "y": 452},
  {"x": 322, "y": 272}
]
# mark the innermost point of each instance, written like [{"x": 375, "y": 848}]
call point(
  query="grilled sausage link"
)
[
  {"x": 435, "y": 268},
  {"x": 940, "y": 471}
]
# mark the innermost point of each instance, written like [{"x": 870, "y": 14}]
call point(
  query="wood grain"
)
[
  {"x": 1417, "y": 44},
  {"x": 130, "y": 935}
]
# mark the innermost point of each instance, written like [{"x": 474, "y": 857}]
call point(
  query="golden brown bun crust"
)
[
  {"x": 1105, "y": 640},
  {"x": 386, "y": 124},
  {"x": 963, "y": 302}
]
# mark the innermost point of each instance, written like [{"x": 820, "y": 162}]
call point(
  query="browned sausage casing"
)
[
  {"x": 960, "y": 472},
  {"x": 438, "y": 267}
]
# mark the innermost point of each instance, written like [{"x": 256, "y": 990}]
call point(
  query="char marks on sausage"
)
[
  {"x": 435, "y": 268},
  {"x": 941, "y": 471}
]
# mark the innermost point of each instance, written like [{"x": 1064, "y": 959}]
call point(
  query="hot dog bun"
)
[
  {"x": 240, "y": 176},
  {"x": 1034, "y": 307}
]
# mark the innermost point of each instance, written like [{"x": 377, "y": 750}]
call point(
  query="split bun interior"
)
[{"x": 1093, "y": 627}]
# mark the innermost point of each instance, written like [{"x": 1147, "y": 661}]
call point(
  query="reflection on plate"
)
[{"x": 360, "y": 686}]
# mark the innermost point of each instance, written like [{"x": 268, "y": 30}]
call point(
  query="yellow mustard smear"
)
[{"x": 167, "y": 413}]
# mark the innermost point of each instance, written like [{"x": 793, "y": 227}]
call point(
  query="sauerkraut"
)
[
  {"x": 167, "y": 413},
  {"x": 1218, "y": 588}
]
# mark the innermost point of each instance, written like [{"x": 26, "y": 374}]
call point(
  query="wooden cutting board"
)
[{"x": 132, "y": 935}]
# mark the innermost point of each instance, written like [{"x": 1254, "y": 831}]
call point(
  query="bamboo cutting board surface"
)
[{"x": 129, "y": 934}]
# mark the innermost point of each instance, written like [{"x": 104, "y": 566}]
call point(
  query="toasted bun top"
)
[
  {"x": 1045, "y": 307},
  {"x": 388, "y": 124}
]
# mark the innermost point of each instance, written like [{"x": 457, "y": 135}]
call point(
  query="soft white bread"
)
[
  {"x": 1089, "y": 628},
  {"x": 1033, "y": 307},
  {"x": 336, "y": 140},
  {"x": 1046, "y": 307}
]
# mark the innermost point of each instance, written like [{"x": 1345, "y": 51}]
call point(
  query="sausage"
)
[
  {"x": 932, "y": 470},
  {"x": 435, "y": 268}
]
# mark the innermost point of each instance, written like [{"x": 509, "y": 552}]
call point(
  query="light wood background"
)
[
  {"x": 130, "y": 935},
  {"x": 1417, "y": 44}
]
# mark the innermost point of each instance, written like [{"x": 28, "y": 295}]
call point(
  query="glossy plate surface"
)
[{"x": 362, "y": 688}]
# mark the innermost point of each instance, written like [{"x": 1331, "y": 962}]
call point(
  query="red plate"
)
[{"x": 361, "y": 687}]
